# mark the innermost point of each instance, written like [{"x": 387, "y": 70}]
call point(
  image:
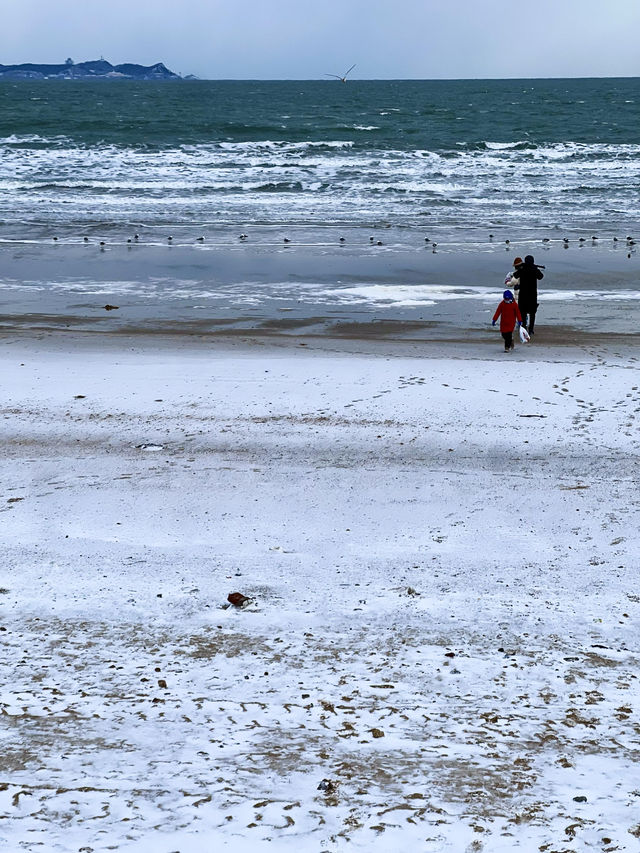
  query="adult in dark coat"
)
[{"x": 529, "y": 275}]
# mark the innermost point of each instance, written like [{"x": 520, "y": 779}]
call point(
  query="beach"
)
[
  {"x": 295, "y": 556},
  {"x": 439, "y": 650},
  {"x": 403, "y": 290}
]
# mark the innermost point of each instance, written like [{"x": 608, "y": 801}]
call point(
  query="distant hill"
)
[{"x": 97, "y": 69}]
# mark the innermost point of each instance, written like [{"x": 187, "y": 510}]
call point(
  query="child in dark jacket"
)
[{"x": 510, "y": 317}]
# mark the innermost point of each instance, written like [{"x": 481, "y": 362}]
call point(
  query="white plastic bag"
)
[{"x": 524, "y": 335}]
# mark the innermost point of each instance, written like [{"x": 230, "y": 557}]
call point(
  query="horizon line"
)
[{"x": 190, "y": 78}]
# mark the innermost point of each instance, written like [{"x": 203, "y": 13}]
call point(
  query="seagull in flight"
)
[{"x": 342, "y": 77}]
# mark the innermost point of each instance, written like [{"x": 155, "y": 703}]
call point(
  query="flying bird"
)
[{"x": 342, "y": 77}]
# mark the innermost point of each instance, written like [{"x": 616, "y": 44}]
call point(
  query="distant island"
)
[{"x": 97, "y": 69}]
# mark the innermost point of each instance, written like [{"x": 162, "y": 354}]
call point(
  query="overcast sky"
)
[{"x": 302, "y": 39}]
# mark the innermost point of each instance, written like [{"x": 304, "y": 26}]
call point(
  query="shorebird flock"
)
[{"x": 565, "y": 242}]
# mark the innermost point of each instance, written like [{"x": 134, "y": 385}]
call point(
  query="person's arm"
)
[
  {"x": 518, "y": 314},
  {"x": 539, "y": 274},
  {"x": 497, "y": 314}
]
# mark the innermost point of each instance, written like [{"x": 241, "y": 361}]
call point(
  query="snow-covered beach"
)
[{"x": 440, "y": 547}]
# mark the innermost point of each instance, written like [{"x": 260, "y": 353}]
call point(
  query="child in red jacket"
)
[{"x": 510, "y": 316}]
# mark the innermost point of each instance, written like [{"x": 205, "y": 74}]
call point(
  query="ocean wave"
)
[
  {"x": 406, "y": 295},
  {"x": 277, "y": 187},
  {"x": 271, "y": 145},
  {"x": 567, "y": 184},
  {"x": 28, "y": 140}
]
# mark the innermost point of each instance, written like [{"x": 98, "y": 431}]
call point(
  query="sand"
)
[{"x": 439, "y": 544}]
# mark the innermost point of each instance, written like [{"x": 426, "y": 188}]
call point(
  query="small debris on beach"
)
[
  {"x": 238, "y": 599},
  {"x": 108, "y": 307}
]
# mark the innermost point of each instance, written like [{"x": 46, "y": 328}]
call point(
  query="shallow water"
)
[{"x": 355, "y": 290}]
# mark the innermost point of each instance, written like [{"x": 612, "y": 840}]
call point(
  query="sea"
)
[
  {"x": 396, "y": 166},
  {"x": 460, "y": 158}
]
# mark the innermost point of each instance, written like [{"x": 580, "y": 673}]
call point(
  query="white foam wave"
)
[
  {"x": 27, "y": 138},
  {"x": 406, "y": 295},
  {"x": 269, "y": 145},
  {"x": 567, "y": 183}
]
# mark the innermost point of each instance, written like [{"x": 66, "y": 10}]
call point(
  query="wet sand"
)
[{"x": 300, "y": 291}]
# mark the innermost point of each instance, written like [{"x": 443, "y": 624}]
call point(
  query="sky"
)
[{"x": 307, "y": 39}]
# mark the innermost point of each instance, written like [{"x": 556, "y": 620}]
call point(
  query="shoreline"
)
[
  {"x": 311, "y": 292},
  {"x": 551, "y": 344}
]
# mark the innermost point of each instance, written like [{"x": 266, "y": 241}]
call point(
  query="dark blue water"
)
[{"x": 457, "y": 159}]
